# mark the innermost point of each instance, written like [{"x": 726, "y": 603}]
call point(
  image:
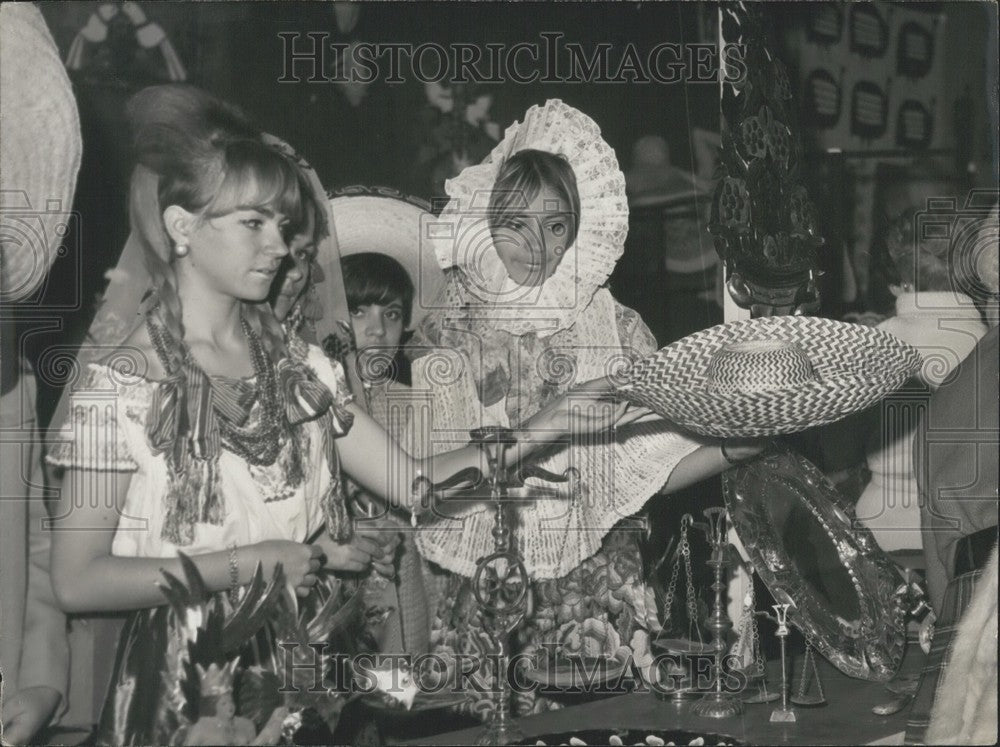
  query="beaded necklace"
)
[{"x": 258, "y": 443}]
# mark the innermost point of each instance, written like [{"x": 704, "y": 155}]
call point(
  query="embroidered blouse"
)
[{"x": 107, "y": 432}]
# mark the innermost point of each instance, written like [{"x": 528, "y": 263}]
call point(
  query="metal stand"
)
[
  {"x": 718, "y": 704},
  {"x": 785, "y": 713},
  {"x": 683, "y": 692},
  {"x": 501, "y": 583}
]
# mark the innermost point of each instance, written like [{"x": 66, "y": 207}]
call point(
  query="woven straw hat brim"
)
[
  {"x": 391, "y": 224},
  {"x": 855, "y": 367},
  {"x": 40, "y": 149}
]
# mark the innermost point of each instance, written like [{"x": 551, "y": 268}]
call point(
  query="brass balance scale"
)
[
  {"x": 828, "y": 576},
  {"x": 833, "y": 583}
]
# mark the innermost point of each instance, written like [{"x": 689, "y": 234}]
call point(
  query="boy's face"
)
[{"x": 378, "y": 327}]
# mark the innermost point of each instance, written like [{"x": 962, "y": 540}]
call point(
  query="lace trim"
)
[
  {"x": 617, "y": 478},
  {"x": 464, "y": 236},
  {"x": 92, "y": 437}
]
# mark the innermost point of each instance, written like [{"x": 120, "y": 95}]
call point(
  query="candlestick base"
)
[{"x": 717, "y": 705}]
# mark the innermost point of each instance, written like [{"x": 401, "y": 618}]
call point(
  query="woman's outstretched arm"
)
[
  {"x": 381, "y": 466},
  {"x": 711, "y": 459}
]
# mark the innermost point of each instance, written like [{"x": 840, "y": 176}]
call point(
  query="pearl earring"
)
[{"x": 181, "y": 250}]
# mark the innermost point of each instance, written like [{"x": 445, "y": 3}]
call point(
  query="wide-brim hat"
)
[
  {"x": 654, "y": 181},
  {"x": 385, "y": 221},
  {"x": 40, "y": 150},
  {"x": 662, "y": 187},
  {"x": 770, "y": 376}
]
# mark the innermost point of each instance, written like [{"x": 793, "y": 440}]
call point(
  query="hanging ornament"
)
[{"x": 769, "y": 265}]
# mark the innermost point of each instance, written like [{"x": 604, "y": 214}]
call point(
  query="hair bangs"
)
[
  {"x": 256, "y": 177},
  {"x": 522, "y": 177},
  {"x": 376, "y": 278}
]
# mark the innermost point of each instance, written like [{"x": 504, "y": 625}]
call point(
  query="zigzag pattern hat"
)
[{"x": 770, "y": 376}]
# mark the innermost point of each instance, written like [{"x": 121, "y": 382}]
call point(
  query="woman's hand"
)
[
  {"x": 368, "y": 548},
  {"x": 573, "y": 411},
  {"x": 300, "y": 562},
  {"x": 585, "y": 409},
  {"x": 389, "y": 538}
]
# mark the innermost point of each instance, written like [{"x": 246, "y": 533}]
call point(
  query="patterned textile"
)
[
  {"x": 965, "y": 706},
  {"x": 111, "y": 424},
  {"x": 109, "y": 431},
  {"x": 598, "y": 609},
  {"x": 618, "y": 472},
  {"x": 957, "y": 598}
]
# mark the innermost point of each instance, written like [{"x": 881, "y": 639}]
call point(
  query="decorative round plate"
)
[{"x": 844, "y": 590}]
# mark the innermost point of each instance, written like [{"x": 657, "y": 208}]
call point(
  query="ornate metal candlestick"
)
[
  {"x": 500, "y": 586},
  {"x": 718, "y": 704},
  {"x": 500, "y": 583},
  {"x": 786, "y": 712}
]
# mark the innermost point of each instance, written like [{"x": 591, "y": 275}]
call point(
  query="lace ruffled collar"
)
[{"x": 461, "y": 238}]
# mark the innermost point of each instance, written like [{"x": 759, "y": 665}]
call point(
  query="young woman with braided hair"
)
[{"x": 200, "y": 428}]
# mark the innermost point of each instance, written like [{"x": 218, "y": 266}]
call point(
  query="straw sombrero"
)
[
  {"x": 40, "y": 150},
  {"x": 385, "y": 221},
  {"x": 765, "y": 377},
  {"x": 653, "y": 181}
]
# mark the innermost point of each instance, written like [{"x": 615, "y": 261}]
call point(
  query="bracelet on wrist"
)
[
  {"x": 234, "y": 574},
  {"x": 726, "y": 455}
]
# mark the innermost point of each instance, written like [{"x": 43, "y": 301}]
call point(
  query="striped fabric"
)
[{"x": 957, "y": 597}]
